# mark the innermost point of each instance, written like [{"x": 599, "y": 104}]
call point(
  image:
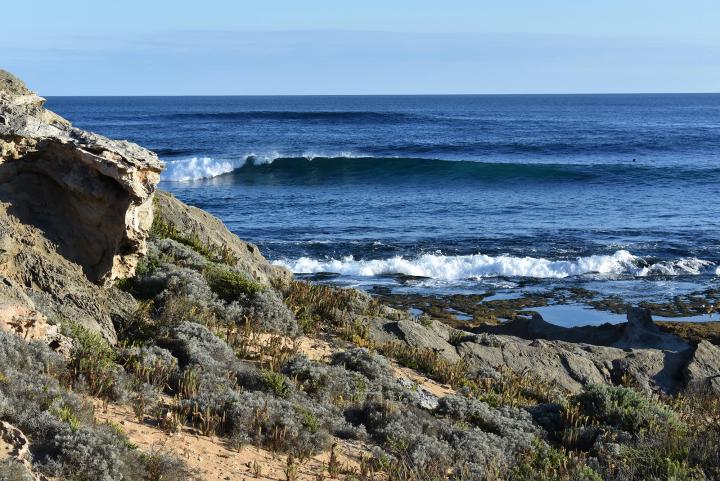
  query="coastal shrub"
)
[
  {"x": 13, "y": 470},
  {"x": 330, "y": 384},
  {"x": 462, "y": 436},
  {"x": 65, "y": 441},
  {"x": 162, "y": 229},
  {"x": 263, "y": 419},
  {"x": 176, "y": 281},
  {"x": 28, "y": 356},
  {"x": 92, "y": 454},
  {"x": 163, "y": 466},
  {"x": 370, "y": 364},
  {"x": 228, "y": 283},
  {"x": 507, "y": 421},
  {"x": 173, "y": 252},
  {"x": 186, "y": 288},
  {"x": 429, "y": 362},
  {"x": 623, "y": 408},
  {"x": 92, "y": 362},
  {"x": 207, "y": 362},
  {"x": 545, "y": 463},
  {"x": 266, "y": 312},
  {"x": 318, "y": 305},
  {"x": 150, "y": 364}
]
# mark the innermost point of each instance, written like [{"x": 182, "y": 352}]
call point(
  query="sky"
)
[{"x": 286, "y": 47}]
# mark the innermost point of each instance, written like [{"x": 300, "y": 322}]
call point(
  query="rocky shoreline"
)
[{"x": 115, "y": 293}]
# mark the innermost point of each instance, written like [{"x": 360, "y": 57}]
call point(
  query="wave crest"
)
[
  {"x": 476, "y": 266},
  {"x": 349, "y": 167}
]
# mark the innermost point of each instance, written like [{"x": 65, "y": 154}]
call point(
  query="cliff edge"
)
[{"x": 89, "y": 195}]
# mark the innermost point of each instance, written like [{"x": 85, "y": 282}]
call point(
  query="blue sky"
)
[{"x": 79, "y": 47}]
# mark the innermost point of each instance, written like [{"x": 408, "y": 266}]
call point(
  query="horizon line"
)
[{"x": 388, "y": 95}]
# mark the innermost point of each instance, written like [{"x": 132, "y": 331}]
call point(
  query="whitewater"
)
[{"x": 476, "y": 266}]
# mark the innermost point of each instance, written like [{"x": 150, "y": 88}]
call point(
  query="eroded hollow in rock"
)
[{"x": 80, "y": 210}]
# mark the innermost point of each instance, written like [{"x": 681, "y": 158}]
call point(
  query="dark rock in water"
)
[
  {"x": 639, "y": 318},
  {"x": 538, "y": 328},
  {"x": 641, "y": 332},
  {"x": 703, "y": 371}
]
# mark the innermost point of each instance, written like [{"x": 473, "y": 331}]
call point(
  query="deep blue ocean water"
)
[{"x": 468, "y": 193}]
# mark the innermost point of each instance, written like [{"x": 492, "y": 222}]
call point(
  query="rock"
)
[
  {"x": 195, "y": 222},
  {"x": 703, "y": 371},
  {"x": 571, "y": 365},
  {"x": 550, "y": 361},
  {"x": 15, "y": 447},
  {"x": 641, "y": 332},
  {"x": 89, "y": 195},
  {"x": 424, "y": 398},
  {"x": 36, "y": 277},
  {"x": 75, "y": 212},
  {"x": 435, "y": 337}
]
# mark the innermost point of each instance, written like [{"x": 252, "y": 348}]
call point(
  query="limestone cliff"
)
[
  {"x": 75, "y": 212},
  {"x": 89, "y": 195}
]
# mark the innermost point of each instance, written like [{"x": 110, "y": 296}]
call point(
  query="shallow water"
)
[{"x": 573, "y": 315}]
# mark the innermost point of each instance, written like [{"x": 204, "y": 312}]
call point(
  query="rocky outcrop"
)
[
  {"x": 571, "y": 365},
  {"x": 703, "y": 371},
  {"x": 640, "y": 331},
  {"x": 75, "y": 212},
  {"x": 89, "y": 195},
  {"x": 39, "y": 285},
  {"x": 197, "y": 224}
]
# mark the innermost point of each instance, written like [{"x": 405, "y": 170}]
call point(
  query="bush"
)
[
  {"x": 12, "y": 470},
  {"x": 329, "y": 384},
  {"x": 170, "y": 251},
  {"x": 151, "y": 365},
  {"x": 370, "y": 364},
  {"x": 229, "y": 284},
  {"x": 623, "y": 408},
  {"x": 463, "y": 436},
  {"x": 318, "y": 305},
  {"x": 93, "y": 362},
  {"x": 161, "y": 466},
  {"x": 88, "y": 454},
  {"x": 65, "y": 441},
  {"x": 187, "y": 288},
  {"x": 510, "y": 422},
  {"x": 161, "y": 229},
  {"x": 545, "y": 463},
  {"x": 281, "y": 425},
  {"x": 266, "y": 312}
]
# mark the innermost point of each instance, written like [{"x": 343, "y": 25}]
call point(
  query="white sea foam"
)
[
  {"x": 197, "y": 168},
  {"x": 454, "y": 268}
]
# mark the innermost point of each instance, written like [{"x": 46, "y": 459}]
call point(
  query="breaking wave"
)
[
  {"x": 476, "y": 266},
  {"x": 348, "y": 167}
]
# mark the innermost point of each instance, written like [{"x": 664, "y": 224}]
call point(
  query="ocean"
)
[{"x": 449, "y": 194}]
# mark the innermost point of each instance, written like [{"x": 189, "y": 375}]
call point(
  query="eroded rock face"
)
[
  {"x": 703, "y": 371},
  {"x": 89, "y": 195}
]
